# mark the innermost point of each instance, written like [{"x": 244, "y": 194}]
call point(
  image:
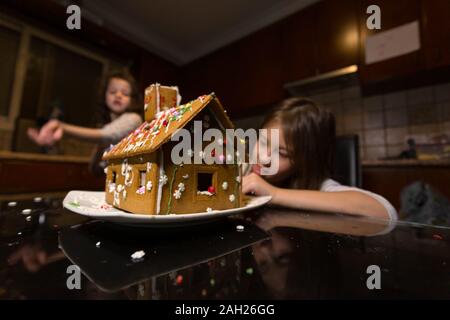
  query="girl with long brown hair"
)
[{"x": 306, "y": 160}]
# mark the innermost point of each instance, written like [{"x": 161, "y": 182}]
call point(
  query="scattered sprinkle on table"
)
[
  {"x": 138, "y": 256},
  {"x": 26, "y": 211},
  {"x": 249, "y": 271},
  {"x": 37, "y": 199},
  {"x": 212, "y": 282},
  {"x": 98, "y": 244},
  {"x": 12, "y": 204},
  {"x": 28, "y": 218},
  {"x": 240, "y": 228}
]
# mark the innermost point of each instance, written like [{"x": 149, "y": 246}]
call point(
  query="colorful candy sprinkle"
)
[
  {"x": 211, "y": 189},
  {"x": 437, "y": 237}
]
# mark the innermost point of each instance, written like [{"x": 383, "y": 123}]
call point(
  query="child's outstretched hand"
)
[
  {"x": 255, "y": 185},
  {"x": 49, "y": 134}
]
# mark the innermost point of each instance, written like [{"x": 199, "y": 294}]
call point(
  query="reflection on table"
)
[{"x": 279, "y": 254}]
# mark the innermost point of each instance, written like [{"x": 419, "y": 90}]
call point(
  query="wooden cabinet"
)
[
  {"x": 321, "y": 38},
  {"x": 245, "y": 75},
  {"x": 337, "y": 34},
  {"x": 26, "y": 173},
  {"x": 393, "y": 14},
  {"x": 259, "y": 81},
  {"x": 436, "y": 31},
  {"x": 389, "y": 180},
  {"x": 299, "y": 45}
]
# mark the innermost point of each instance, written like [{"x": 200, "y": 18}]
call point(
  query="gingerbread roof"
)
[{"x": 151, "y": 135}]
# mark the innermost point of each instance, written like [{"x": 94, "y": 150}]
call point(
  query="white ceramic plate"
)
[{"x": 92, "y": 204}]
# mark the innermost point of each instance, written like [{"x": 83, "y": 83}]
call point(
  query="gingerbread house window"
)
[
  {"x": 142, "y": 178},
  {"x": 205, "y": 183}
]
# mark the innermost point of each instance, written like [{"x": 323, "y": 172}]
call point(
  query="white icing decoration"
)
[
  {"x": 209, "y": 209},
  {"x": 149, "y": 186},
  {"x": 205, "y": 193},
  {"x": 111, "y": 187},
  {"x": 181, "y": 186},
  {"x": 129, "y": 176},
  {"x": 177, "y": 194},
  {"x": 186, "y": 176},
  {"x": 224, "y": 185},
  {"x": 119, "y": 188},
  {"x": 105, "y": 170},
  {"x": 160, "y": 186},
  {"x": 220, "y": 141},
  {"x": 124, "y": 194},
  {"x": 163, "y": 179},
  {"x": 232, "y": 197},
  {"x": 141, "y": 190},
  {"x": 116, "y": 198},
  {"x": 190, "y": 153},
  {"x": 124, "y": 167},
  {"x": 238, "y": 179},
  {"x": 149, "y": 166},
  {"x": 201, "y": 154}
]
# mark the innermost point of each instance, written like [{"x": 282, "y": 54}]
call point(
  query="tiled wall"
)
[{"x": 383, "y": 121}]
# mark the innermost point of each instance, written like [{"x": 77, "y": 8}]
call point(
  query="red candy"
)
[
  {"x": 211, "y": 189},
  {"x": 437, "y": 237},
  {"x": 179, "y": 279}
]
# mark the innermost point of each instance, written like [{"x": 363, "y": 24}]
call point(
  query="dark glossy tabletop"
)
[{"x": 279, "y": 254}]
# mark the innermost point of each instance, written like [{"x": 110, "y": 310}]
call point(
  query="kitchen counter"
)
[
  {"x": 406, "y": 163},
  {"x": 7, "y": 155},
  {"x": 31, "y": 173},
  {"x": 280, "y": 254}
]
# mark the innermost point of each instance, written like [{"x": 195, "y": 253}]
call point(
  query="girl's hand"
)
[
  {"x": 255, "y": 185},
  {"x": 49, "y": 134}
]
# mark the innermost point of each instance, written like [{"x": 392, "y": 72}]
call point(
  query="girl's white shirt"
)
[
  {"x": 330, "y": 185},
  {"x": 117, "y": 129}
]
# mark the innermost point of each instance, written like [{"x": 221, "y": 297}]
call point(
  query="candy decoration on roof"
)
[{"x": 141, "y": 177}]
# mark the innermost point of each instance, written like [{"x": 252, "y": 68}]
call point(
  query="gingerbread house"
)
[{"x": 141, "y": 176}]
